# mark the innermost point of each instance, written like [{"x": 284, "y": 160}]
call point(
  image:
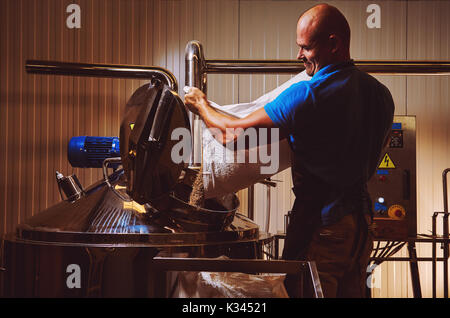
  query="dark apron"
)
[{"x": 311, "y": 195}]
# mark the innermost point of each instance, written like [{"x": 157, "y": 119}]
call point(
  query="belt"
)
[{"x": 350, "y": 201}]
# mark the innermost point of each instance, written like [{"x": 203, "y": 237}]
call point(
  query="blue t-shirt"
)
[{"x": 337, "y": 124}]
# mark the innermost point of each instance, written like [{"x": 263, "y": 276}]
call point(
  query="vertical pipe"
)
[
  {"x": 433, "y": 254},
  {"x": 314, "y": 274},
  {"x": 417, "y": 291},
  {"x": 446, "y": 254},
  {"x": 444, "y": 186},
  {"x": 251, "y": 205},
  {"x": 196, "y": 77},
  {"x": 268, "y": 208},
  {"x": 445, "y": 231}
]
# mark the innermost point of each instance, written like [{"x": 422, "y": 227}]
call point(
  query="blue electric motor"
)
[{"x": 90, "y": 151}]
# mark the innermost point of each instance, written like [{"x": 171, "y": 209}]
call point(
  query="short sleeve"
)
[{"x": 286, "y": 107}]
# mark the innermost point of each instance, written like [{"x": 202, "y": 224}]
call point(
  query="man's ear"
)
[{"x": 334, "y": 43}]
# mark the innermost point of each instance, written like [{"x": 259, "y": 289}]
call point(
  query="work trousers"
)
[{"x": 341, "y": 252}]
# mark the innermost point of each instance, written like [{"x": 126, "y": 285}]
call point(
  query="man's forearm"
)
[
  {"x": 217, "y": 120},
  {"x": 226, "y": 128}
]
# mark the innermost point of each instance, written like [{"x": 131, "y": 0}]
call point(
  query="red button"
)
[
  {"x": 398, "y": 213},
  {"x": 382, "y": 178}
]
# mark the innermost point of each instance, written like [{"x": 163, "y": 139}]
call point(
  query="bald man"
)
[{"x": 337, "y": 124}]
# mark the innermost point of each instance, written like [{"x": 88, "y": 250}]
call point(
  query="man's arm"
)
[{"x": 197, "y": 102}]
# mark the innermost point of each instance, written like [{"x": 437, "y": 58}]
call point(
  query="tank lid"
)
[{"x": 152, "y": 114}]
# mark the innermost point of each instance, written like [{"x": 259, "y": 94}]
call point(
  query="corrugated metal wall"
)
[
  {"x": 39, "y": 114},
  {"x": 428, "y": 99}
]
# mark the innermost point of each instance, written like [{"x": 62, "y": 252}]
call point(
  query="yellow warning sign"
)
[{"x": 386, "y": 163}]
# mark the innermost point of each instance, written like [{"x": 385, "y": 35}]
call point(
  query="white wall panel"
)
[{"x": 428, "y": 100}]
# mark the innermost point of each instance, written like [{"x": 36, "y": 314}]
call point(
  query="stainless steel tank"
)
[
  {"x": 112, "y": 243},
  {"x": 101, "y": 242}
]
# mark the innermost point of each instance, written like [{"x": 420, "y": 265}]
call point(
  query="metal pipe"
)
[
  {"x": 253, "y": 66},
  {"x": 102, "y": 70},
  {"x": 433, "y": 254},
  {"x": 414, "y": 268},
  {"x": 444, "y": 187},
  {"x": 445, "y": 252},
  {"x": 315, "y": 280},
  {"x": 195, "y": 65},
  {"x": 445, "y": 224},
  {"x": 251, "y": 203},
  {"x": 268, "y": 208},
  {"x": 195, "y": 77},
  {"x": 295, "y": 66},
  {"x": 405, "y": 259}
]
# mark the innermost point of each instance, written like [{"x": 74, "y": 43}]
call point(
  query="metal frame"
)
[
  {"x": 301, "y": 268},
  {"x": 392, "y": 247},
  {"x": 445, "y": 238}
]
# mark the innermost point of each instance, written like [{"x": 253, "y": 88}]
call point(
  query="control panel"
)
[{"x": 393, "y": 186}]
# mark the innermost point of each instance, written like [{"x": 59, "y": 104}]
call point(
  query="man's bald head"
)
[
  {"x": 323, "y": 36},
  {"x": 324, "y": 20}
]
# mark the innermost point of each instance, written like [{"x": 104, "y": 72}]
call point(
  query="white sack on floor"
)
[
  {"x": 229, "y": 285},
  {"x": 222, "y": 172}
]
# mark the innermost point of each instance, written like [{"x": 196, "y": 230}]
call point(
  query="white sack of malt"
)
[{"x": 222, "y": 173}]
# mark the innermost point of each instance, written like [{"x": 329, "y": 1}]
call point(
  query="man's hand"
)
[{"x": 195, "y": 100}]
